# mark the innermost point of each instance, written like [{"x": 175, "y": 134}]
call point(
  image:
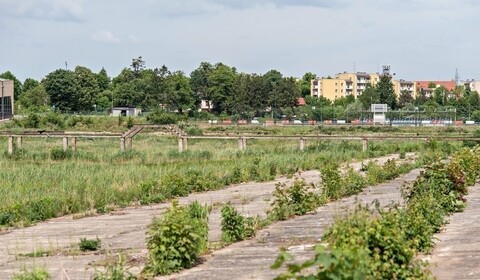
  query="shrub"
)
[
  {"x": 163, "y": 117},
  {"x": 233, "y": 227},
  {"x": 298, "y": 199},
  {"x": 89, "y": 244},
  {"x": 331, "y": 181},
  {"x": 60, "y": 154},
  {"x": 116, "y": 271},
  {"x": 176, "y": 239},
  {"x": 34, "y": 274}
]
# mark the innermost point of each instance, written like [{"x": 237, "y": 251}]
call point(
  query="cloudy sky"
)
[{"x": 420, "y": 39}]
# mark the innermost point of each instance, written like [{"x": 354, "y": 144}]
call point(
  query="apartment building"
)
[
  {"x": 400, "y": 86},
  {"x": 342, "y": 85},
  {"x": 6, "y": 99},
  {"x": 473, "y": 85}
]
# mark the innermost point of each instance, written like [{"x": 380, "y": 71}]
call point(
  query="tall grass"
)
[{"x": 36, "y": 184}]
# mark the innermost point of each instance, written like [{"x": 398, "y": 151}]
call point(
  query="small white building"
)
[{"x": 126, "y": 111}]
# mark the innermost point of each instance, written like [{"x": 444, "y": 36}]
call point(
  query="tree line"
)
[{"x": 225, "y": 91}]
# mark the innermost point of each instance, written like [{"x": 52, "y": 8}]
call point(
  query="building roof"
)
[
  {"x": 449, "y": 85},
  {"x": 301, "y": 102}
]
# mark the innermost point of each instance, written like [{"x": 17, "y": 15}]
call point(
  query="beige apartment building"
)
[
  {"x": 6, "y": 99},
  {"x": 345, "y": 84},
  {"x": 342, "y": 85}
]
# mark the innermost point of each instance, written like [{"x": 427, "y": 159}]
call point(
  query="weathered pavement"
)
[
  {"x": 251, "y": 259},
  {"x": 457, "y": 251},
  {"x": 124, "y": 230}
]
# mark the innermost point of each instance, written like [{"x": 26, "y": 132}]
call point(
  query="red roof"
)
[
  {"x": 301, "y": 102},
  {"x": 449, "y": 85}
]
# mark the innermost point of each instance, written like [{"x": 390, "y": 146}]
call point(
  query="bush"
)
[
  {"x": 298, "y": 199},
  {"x": 34, "y": 274},
  {"x": 60, "y": 154},
  {"x": 163, "y": 117},
  {"x": 117, "y": 271},
  {"x": 233, "y": 227},
  {"x": 89, "y": 244},
  {"x": 176, "y": 239}
]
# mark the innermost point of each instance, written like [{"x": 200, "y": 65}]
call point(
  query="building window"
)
[{"x": 7, "y": 107}]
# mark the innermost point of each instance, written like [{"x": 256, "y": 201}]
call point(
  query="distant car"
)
[
  {"x": 297, "y": 122},
  {"x": 255, "y": 122}
]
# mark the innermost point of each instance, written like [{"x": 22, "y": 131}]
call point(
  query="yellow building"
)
[
  {"x": 345, "y": 84},
  {"x": 400, "y": 86}
]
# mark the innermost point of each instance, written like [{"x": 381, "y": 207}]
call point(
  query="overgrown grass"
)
[{"x": 40, "y": 181}]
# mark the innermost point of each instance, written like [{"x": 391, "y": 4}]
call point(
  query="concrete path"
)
[
  {"x": 251, "y": 259},
  {"x": 124, "y": 230},
  {"x": 457, "y": 251}
]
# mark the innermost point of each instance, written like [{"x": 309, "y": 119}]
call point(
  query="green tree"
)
[
  {"x": 199, "y": 81},
  {"x": 137, "y": 66},
  {"x": 17, "y": 85},
  {"x": 182, "y": 98},
  {"x": 103, "y": 80},
  {"x": 35, "y": 99},
  {"x": 386, "y": 92},
  {"x": 62, "y": 89},
  {"x": 221, "y": 82},
  {"x": 29, "y": 84},
  {"x": 369, "y": 96},
  {"x": 405, "y": 98},
  {"x": 88, "y": 88},
  {"x": 304, "y": 83}
]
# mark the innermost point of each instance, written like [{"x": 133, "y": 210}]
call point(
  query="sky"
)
[{"x": 419, "y": 39}]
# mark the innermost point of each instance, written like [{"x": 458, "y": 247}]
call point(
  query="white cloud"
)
[
  {"x": 106, "y": 37},
  {"x": 50, "y": 10},
  {"x": 133, "y": 39}
]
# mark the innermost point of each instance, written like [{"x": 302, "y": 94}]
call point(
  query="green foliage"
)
[
  {"x": 331, "y": 181},
  {"x": 33, "y": 274},
  {"x": 176, "y": 239},
  {"x": 89, "y": 244},
  {"x": 116, "y": 271},
  {"x": 297, "y": 199},
  {"x": 233, "y": 224},
  {"x": 383, "y": 244},
  {"x": 60, "y": 154},
  {"x": 163, "y": 117}
]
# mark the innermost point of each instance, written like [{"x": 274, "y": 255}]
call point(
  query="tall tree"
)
[
  {"x": 369, "y": 96},
  {"x": 221, "y": 82},
  {"x": 29, "y": 83},
  {"x": 103, "y": 80},
  {"x": 35, "y": 99},
  {"x": 88, "y": 88},
  {"x": 405, "y": 98},
  {"x": 138, "y": 65},
  {"x": 305, "y": 82},
  {"x": 386, "y": 92},
  {"x": 62, "y": 89},
  {"x": 199, "y": 81},
  {"x": 182, "y": 98}
]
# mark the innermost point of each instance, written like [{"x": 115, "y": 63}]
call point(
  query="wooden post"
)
[
  {"x": 129, "y": 143},
  {"x": 182, "y": 144},
  {"x": 302, "y": 144},
  {"x": 240, "y": 144},
  {"x": 364, "y": 145},
  {"x": 10, "y": 145},
  {"x": 65, "y": 144},
  {"x": 185, "y": 143},
  {"x": 122, "y": 144},
  {"x": 19, "y": 142},
  {"x": 74, "y": 144}
]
